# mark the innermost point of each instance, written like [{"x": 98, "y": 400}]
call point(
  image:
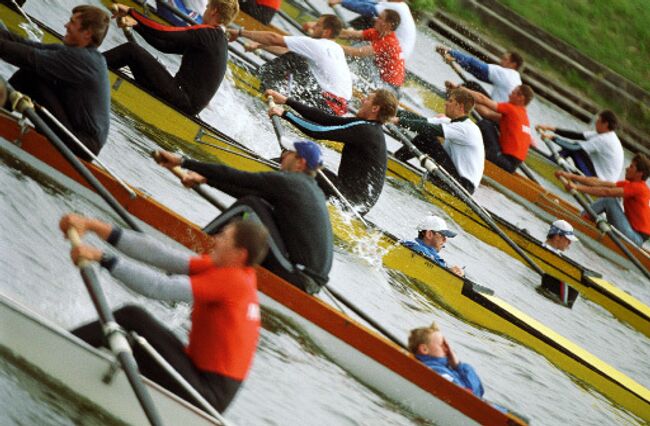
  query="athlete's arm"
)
[
  {"x": 477, "y": 68},
  {"x": 570, "y": 134},
  {"x": 350, "y": 34},
  {"x": 265, "y": 38},
  {"x": 314, "y": 114},
  {"x": 359, "y": 52},
  {"x": 166, "y": 39},
  {"x": 419, "y": 124}
]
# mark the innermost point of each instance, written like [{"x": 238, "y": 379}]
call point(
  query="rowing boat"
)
[
  {"x": 461, "y": 295},
  {"x": 378, "y": 363}
]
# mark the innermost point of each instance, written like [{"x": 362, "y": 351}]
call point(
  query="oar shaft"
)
[
  {"x": 117, "y": 342},
  {"x": 25, "y": 106}
]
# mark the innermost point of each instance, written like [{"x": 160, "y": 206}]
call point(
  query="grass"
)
[{"x": 615, "y": 33}]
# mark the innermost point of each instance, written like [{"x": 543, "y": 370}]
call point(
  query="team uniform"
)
[
  {"x": 462, "y": 154},
  {"x": 315, "y": 70},
  {"x": 225, "y": 316},
  {"x": 297, "y": 216},
  {"x": 601, "y": 154},
  {"x": 634, "y": 220},
  {"x": 388, "y": 57},
  {"x": 362, "y": 170},
  {"x": 203, "y": 65},
  {"x": 508, "y": 147},
  {"x": 464, "y": 375},
  {"x": 406, "y": 31},
  {"x": 71, "y": 82},
  {"x": 262, "y": 10},
  {"x": 419, "y": 246},
  {"x": 504, "y": 80}
]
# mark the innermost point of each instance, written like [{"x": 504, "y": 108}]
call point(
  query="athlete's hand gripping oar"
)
[
  {"x": 462, "y": 193},
  {"x": 278, "y": 133},
  {"x": 168, "y": 161},
  {"x": 115, "y": 337},
  {"x": 24, "y": 105},
  {"x": 602, "y": 224}
]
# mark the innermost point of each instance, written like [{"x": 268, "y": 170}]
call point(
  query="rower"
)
[
  {"x": 461, "y": 152},
  {"x": 221, "y": 285},
  {"x": 507, "y": 146},
  {"x": 432, "y": 348},
  {"x": 432, "y": 235},
  {"x": 633, "y": 220},
  {"x": 288, "y": 202},
  {"x": 69, "y": 79},
  {"x": 560, "y": 236},
  {"x": 384, "y": 47},
  {"x": 369, "y": 10},
  {"x": 314, "y": 67},
  {"x": 362, "y": 169},
  {"x": 204, "y": 50},
  {"x": 190, "y": 8},
  {"x": 598, "y": 153},
  {"x": 504, "y": 77}
]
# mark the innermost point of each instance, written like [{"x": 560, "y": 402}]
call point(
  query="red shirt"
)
[
  {"x": 388, "y": 56},
  {"x": 225, "y": 318},
  {"x": 636, "y": 203},
  {"x": 273, "y": 4},
  {"x": 514, "y": 129}
]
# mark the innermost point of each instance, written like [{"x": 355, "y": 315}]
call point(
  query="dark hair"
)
[
  {"x": 332, "y": 23},
  {"x": 527, "y": 92},
  {"x": 463, "y": 97},
  {"x": 252, "y": 236},
  {"x": 393, "y": 18},
  {"x": 642, "y": 165},
  {"x": 421, "y": 234},
  {"x": 516, "y": 58},
  {"x": 610, "y": 118},
  {"x": 94, "y": 19},
  {"x": 387, "y": 103}
]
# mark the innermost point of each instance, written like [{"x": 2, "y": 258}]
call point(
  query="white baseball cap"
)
[
  {"x": 437, "y": 224},
  {"x": 562, "y": 228}
]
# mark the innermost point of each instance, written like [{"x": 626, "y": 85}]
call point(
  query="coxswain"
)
[
  {"x": 288, "y": 202},
  {"x": 69, "y": 79},
  {"x": 506, "y": 146},
  {"x": 362, "y": 169},
  {"x": 368, "y": 10},
  {"x": 432, "y": 236},
  {"x": 312, "y": 68},
  {"x": 633, "y": 220},
  {"x": 430, "y": 346},
  {"x": 221, "y": 285},
  {"x": 384, "y": 48},
  {"x": 204, "y": 50},
  {"x": 504, "y": 77},
  {"x": 597, "y": 153},
  {"x": 461, "y": 152},
  {"x": 559, "y": 237}
]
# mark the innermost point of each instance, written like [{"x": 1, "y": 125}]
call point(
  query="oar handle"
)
[
  {"x": 75, "y": 241},
  {"x": 275, "y": 120}
]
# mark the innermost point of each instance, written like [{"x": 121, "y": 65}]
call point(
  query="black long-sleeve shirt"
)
[
  {"x": 362, "y": 170},
  {"x": 205, "y": 56},
  {"x": 78, "y": 76},
  {"x": 299, "y": 210}
]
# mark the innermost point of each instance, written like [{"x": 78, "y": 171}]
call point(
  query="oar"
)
[
  {"x": 115, "y": 337},
  {"x": 24, "y": 105},
  {"x": 459, "y": 191},
  {"x": 335, "y": 295},
  {"x": 33, "y": 31},
  {"x": 277, "y": 128},
  {"x": 601, "y": 222}
]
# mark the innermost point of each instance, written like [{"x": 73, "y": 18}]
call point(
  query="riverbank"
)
[{"x": 600, "y": 87}]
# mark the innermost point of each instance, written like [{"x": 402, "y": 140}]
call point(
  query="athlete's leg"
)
[{"x": 616, "y": 217}]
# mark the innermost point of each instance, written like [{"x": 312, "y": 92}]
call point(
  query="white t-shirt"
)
[
  {"x": 464, "y": 144},
  {"x": 504, "y": 81},
  {"x": 405, "y": 32},
  {"x": 326, "y": 61},
  {"x": 606, "y": 153}
]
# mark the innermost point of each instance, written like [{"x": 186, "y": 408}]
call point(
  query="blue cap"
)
[{"x": 308, "y": 150}]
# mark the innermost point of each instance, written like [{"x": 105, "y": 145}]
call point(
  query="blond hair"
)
[
  {"x": 421, "y": 336},
  {"x": 228, "y": 10}
]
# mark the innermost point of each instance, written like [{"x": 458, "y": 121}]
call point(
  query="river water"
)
[{"x": 291, "y": 381}]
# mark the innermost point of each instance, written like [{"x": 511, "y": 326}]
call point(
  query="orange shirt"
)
[
  {"x": 514, "y": 129},
  {"x": 636, "y": 203},
  {"x": 388, "y": 56},
  {"x": 273, "y": 4},
  {"x": 225, "y": 318}
]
